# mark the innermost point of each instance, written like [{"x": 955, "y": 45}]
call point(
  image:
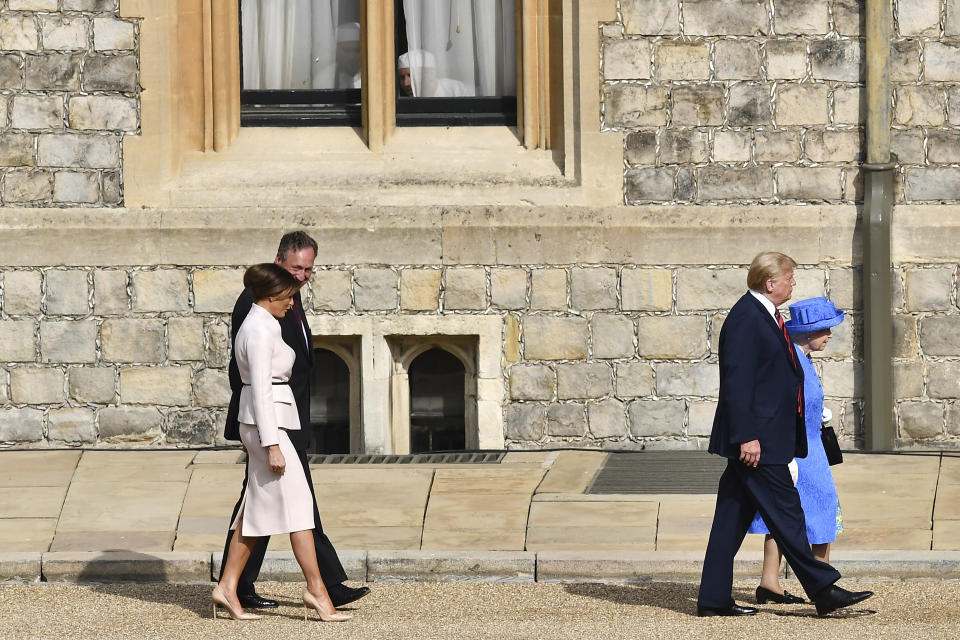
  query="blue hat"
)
[{"x": 812, "y": 314}]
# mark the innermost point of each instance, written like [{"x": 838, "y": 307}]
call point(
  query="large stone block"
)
[
  {"x": 212, "y": 388},
  {"x": 650, "y": 17},
  {"x": 907, "y": 379},
  {"x": 920, "y": 420},
  {"x": 89, "y": 5},
  {"x": 216, "y": 290},
  {"x": 71, "y": 425},
  {"x": 943, "y": 146},
  {"x": 848, "y": 17},
  {"x": 631, "y": 105},
  {"x": 725, "y": 17},
  {"x": 723, "y": 183},
  {"x": 155, "y": 385},
  {"x": 904, "y": 61},
  {"x": 943, "y": 379},
  {"x": 190, "y": 427},
  {"x": 566, "y": 420},
  {"x": 185, "y": 338},
  {"x": 953, "y": 418},
  {"x": 68, "y": 341},
  {"x": 682, "y": 61},
  {"x": 93, "y": 385},
  {"x": 584, "y": 380},
  {"x": 52, "y": 72},
  {"x": 918, "y": 17},
  {"x": 653, "y": 184},
  {"x": 700, "y": 417},
  {"x": 111, "y": 34},
  {"x": 646, "y": 289},
  {"x": 697, "y": 105},
  {"x": 37, "y": 112},
  {"x": 842, "y": 378},
  {"x": 93, "y": 151},
  {"x": 709, "y": 288},
  {"x": 67, "y": 292},
  {"x": 626, "y": 60},
  {"x": 836, "y": 60},
  {"x": 532, "y": 382},
  {"x": 524, "y": 422},
  {"x": 28, "y": 185},
  {"x": 112, "y": 189},
  {"x": 802, "y": 17},
  {"x": 110, "y": 292},
  {"x": 130, "y": 424},
  {"x": 548, "y": 289},
  {"x": 593, "y": 288},
  {"x": 732, "y": 146},
  {"x": 940, "y": 61},
  {"x": 465, "y": 288},
  {"x": 929, "y": 289},
  {"x": 420, "y": 289},
  {"x": 749, "y": 105},
  {"x": 216, "y": 351},
  {"x": 634, "y": 379},
  {"x": 160, "y": 290},
  {"x": 10, "y": 76},
  {"x": 607, "y": 419},
  {"x": 833, "y": 146},
  {"x": 17, "y": 341},
  {"x": 553, "y": 338},
  {"x": 110, "y": 73},
  {"x": 810, "y": 183},
  {"x": 716, "y": 325},
  {"x": 951, "y": 23},
  {"x": 932, "y": 184},
  {"x": 375, "y": 289},
  {"x": 904, "y": 337},
  {"x": 18, "y": 149},
  {"x": 919, "y": 106},
  {"x": 508, "y": 288},
  {"x": 663, "y": 337},
  {"x": 684, "y": 146},
  {"x": 802, "y": 104},
  {"x": 76, "y": 187},
  {"x": 37, "y": 385},
  {"x": 109, "y": 113},
  {"x": 33, "y": 5},
  {"x": 786, "y": 59},
  {"x": 132, "y": 340},
  {"x": 22, "y": 292},
  {"x": 639, "y": 147},
  {"x": 613, "y": 336},
  {"x": 19, "y": 32},
  {"x": 681, "y": 379},
  {"x": 651, "y": 418},
  {"x": 21, "y": 425},
  {"x": 736, "y": 60},
  {"x": 331, "y": 290},
  {"x": 777, "y": 146},
  {"x": 61, "y": 33},
  {"x": 849, "y": 105}
]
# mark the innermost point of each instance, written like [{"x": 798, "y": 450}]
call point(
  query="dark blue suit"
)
[{"x": 759, "y": 391}]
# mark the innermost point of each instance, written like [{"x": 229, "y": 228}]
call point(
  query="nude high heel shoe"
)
[
  {"x": 309, "y": 600},
  {"x": 236, "y": 614}
]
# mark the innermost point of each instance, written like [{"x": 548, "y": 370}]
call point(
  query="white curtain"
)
[
  {"x": 300, "y": 44},
  {"x": 471, "y": 43}
]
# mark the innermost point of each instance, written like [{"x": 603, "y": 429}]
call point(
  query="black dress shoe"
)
[
  {"x": 834, "y": 597},
  {"x": 253, "y": 601},
  {"x": 341, "y": 594},
  {"x": 732, "y": 610},
  {"x": 764, "y": 596}
]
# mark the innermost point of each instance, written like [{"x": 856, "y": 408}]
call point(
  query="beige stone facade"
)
[{"x": 579, "y": 266}]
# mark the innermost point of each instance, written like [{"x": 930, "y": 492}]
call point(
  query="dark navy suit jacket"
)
[
  {"x": 292, "y": 334},
  {"x": 759, "y": 387}
]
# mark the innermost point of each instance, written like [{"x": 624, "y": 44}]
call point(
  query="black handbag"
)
[{"x": 830, "y": 445}]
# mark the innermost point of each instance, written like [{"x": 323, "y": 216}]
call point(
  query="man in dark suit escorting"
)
[
  {"x": 759, "y": 428},
  {"x": 296, "y": 254}
]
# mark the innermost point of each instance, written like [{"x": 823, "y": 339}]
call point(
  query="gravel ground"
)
[{"x": 926, "y": 610}]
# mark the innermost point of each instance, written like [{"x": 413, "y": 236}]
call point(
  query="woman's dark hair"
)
[{"x": 269, "y": 280}]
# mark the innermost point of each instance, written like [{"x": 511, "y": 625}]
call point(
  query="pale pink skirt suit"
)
[{"x": 273, "y": 503}]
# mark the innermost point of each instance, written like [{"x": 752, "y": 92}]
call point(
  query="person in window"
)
[
  {"x": 417, "y": 70},
  {"x": 809, "y": 328},
  {"x": 277, "y": 497}
]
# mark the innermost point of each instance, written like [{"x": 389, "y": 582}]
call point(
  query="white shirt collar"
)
[{"x": 771, "y": 309}]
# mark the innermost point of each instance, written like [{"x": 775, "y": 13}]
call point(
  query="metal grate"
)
[
  {"x": 659, "y": 472},
  {"x": 416, "y": 458}
]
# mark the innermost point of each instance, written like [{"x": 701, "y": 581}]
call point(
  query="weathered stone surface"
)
[
  {"x": 103, "y": 112},
  {"x": 943, "y": 146},
  {"x": 532, "y": 382},
  {"x": 19, "y": 32},
  {"x": 112, "y": 34},
  {"x": 89, "y": 5},
  {"x": 651, "y": 418},
  {"x": 607, "y": 419},
  {"x": 904, "y": 61},
  {"x": 626, "y": 60},
  {"x": 686, "y": 184},
  {"x": 919, "y": 105},
  {"x": 584, "y": 380},
  {"x": 217, "y": 345},
  {"x": 132, "y": 340},
  {"x": 722, "y": 183},
  {"x": 21, "y": 292},
  {"x": 725, "y": 17},
  {"x": 809, "y": 183},
  {"x": 21, "y": 425},
  {"x": 375, "y": 289},
  {"x": 731, "y": 146},
  {"x": 932, "y": 184},
  {"x": 786, "y": 59},
  {"x": 749, "y": 105},
  {"x": 212, "y": 388},
  {"x": 684, "y": 146},
  {"x": 566, "y": 420},
  {"x": 671, "y": 337},
  {"x": 76, "y": 186},
  {"x": 112, "y": 189},
  {"x": 630, "y": 105},
  {"x": 110, "y": 73},
  {"x": 709, "y": 288},
  {"x": 129, "y": 424},
  {"x": 552, "y": 338},
  {"x": 110, "y": 292},
  {"x": 801, "y": 17},
  {"x": 904, "y": 336},
  {"x": 155, "y": 385},
  {"x": 93, "y": 384},
  {"x": 920, "y": 420},
  {"x": 593, "y": 288},
  {"x": 52, "y": 72},
  {"x": 929, "y": 289},
  {"x": 697, "y": 105},
  {"x": 953, "y": 418},
  {"x": 849, "y": 105},
  {"x": 36, "y": 385},
  {"x": 160, "y": 290},
  {"x": 951, "y": 23},
  {"x": 940, "y": 61},
  {"x": 716, "y": 325},
  {"x": 10, "y": 77},
  {"x": 68, "y": 341},
  {"x": 918, "y": 17},
  {"x": 511, "y": 339},
  {"x": 190, "y": 427},
  {"x": 508, "y": 288},
  {"x": 802, "y": 104},
  {"x": 185, "y": 338},
  {"x": 907, "y": 379},
  {"x": 736, "y": 60},
  {"x": 524, "y": 422},
  {"x": 943, "y": 379},
  {"x": 465, "y": 288},
  {"x": 33, "y": 5},
  {"x": 331, "y": 290},
  {"x": 777, "y": 146},
  {"x": 216, "y": 290},
  {"x": 548, "y": 289},
  {"x": 836, "y": 60},
  {"x": 833, "y": 146},
  {"x": 681, "y": 379},
  {"x": 682, "y": 61},
  {"x": 78, "y": 150},
  {"x": 67, "y": 292},
  {"x": 650, "y": 17},
  {"x": 700, "y": 417},
  {"x": 842, "y": 378},
  {"x": 17, "y": 341},
  {"x": 71, "y": 425},
  {"x": 649, "y": 184},
  {"x": 61, "y": 33},
  {"x": 640, "y": 147},
  {"x": 646, "y": 289},
  {"x": 37, "y": 112},
  {"x": 634, "y": 379},
  {"x": 612, "y": 336},
  {"x": 17, "y": 149},
  {"x": 27, "y": 185},
  {"x": 848, "y": 17}
]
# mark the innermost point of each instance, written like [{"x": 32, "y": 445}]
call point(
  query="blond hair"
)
[{"x": 768, "y": 265}]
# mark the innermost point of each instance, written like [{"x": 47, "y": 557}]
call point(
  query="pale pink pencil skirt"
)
[{"x": 273, "y": 503}]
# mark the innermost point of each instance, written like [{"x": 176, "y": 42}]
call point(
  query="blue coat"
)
[{"x": 759, "y": 387}]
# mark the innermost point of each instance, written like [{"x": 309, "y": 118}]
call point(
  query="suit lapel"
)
[{"x": 771, "y": 323}]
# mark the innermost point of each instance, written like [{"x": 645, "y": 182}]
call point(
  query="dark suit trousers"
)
[
  {"x": 741, "y": 493},
  {"x": 330, "y": 568}
]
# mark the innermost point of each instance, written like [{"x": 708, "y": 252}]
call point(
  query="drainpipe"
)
[{"x": 879, "y": 428}]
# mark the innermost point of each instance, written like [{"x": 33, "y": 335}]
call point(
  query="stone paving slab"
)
[
  {"x": 281, "y": 566},
  {"x": 474, "y": 539},
  {"x": 27, "y": 534},
  {"x": 32, "y": 502},
  {"x": 572, "y": 471},
  {"x": 112, "y": 541},
  {"x": 609, "y": 537},
  {"x": 946, "y": 535},
  {"x": 37, "y": 468},
  {"x": 126, "y": 566},
  {"x": 375, "y": 537},
  {"x": 129, "y": 506}
]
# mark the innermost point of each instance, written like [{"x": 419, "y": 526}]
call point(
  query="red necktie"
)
[{"x": 793, "y": 355}]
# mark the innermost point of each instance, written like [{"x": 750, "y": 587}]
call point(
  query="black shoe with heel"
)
[{"x": 764, "y": 596}]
